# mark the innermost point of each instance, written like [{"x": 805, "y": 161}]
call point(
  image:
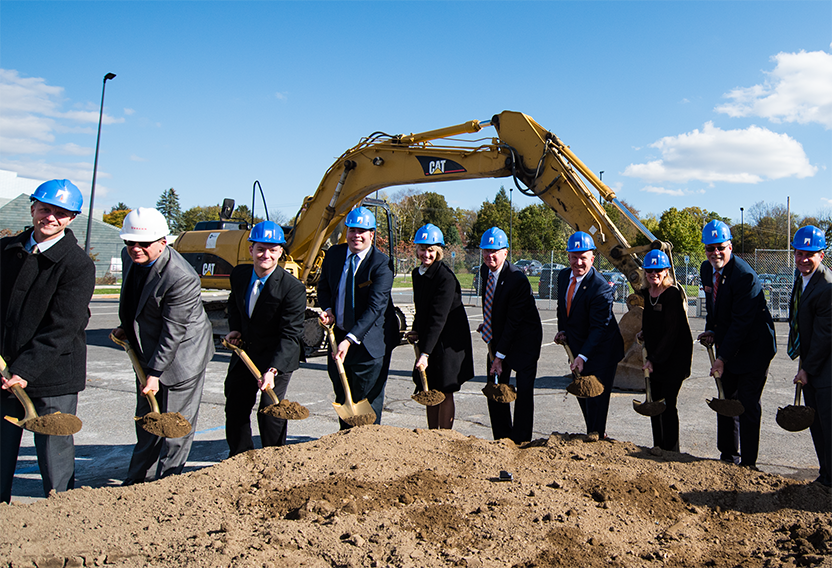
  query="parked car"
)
[
  {"x": 529, "y": 267},
  {"x": 619, "y": 283},
  {"x": 549, "y": 274}
]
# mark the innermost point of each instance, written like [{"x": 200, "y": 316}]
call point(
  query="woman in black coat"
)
[
  {"x": 441, "y": 327},
  {"x": 669, "y": 345}
]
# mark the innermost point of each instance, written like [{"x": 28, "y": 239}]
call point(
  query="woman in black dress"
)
[
  {"x": 440, "y": 326},
  {"x": 669, "y": 344}
]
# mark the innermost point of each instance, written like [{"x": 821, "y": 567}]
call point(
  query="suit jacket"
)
[
  {"x": 515, "y": 322},
  {"x": 591, "y": 329},
  {"x": 174, "y": 334},
  {"x": 814, "y": 322},
  {"x": 740, "y": 320},
  {"x": 272, "y": 335},
  {"x": 373, "y": 283},
  {"x": 44, "y": 309}
]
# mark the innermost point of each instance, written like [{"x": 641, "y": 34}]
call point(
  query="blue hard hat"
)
[
  {"x": 656, "y": 260},
  {"x": 580, "y": 242},
  {"x": 809, "y": 238},
  {"x": 715, "y": 232},
  {"x": 494, "y": 238},
  {"x": 430, "y": 234},
  {"x": 361, "y": 218},
  {"x": 267, "y": 232},
  {"x": 61, "y": 193}
]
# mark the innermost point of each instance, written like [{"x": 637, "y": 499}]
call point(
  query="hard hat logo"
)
[
  {"x": 491, "y": 240},
  {"x": 63, "y": 195},
  {"x": 807, "y": 241}
]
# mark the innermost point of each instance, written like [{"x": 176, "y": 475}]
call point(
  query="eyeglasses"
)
[
  {"x": 141, "y": 244},
  {"x": 653, "y": 270},
  {"x": 714, "y": 248}
]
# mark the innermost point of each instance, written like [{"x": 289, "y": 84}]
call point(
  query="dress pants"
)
[
  {"x": 595, "y": 409},
  {"x": 666, "y": 425},
  {"x": 364, "y": 376},
  {"x": 500, "y": 412},
  {"x": 738, "y": 438},
  {"x": 240, "y": 395},
  {"x": 56, "y": 454},
  {"x": 821, "y": 428},
  {"x": 167, "y": 456}
]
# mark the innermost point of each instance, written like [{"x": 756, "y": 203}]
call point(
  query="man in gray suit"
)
[
  {"x": 810, "y": 338},
  {"x": 162, "y": 316}
]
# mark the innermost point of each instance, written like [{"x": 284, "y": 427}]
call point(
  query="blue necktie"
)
[
  {"x": 794, "y": 335},
  {"x": 349, "y": 294},
  {"x": 486, "y": 309}
]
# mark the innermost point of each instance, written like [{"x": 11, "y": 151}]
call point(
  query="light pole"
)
[
  {"x": 510, "y": 222},
  {"x": 742, "y": 232},
  {"x": 95, "y": 163}
]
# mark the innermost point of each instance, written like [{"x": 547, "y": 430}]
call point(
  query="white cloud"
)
[
  {"x": 799, "y": 89},
  {"x": 129, "y": 111},
  {"x": 663, "y": 191},
  {"x": 713, "y": 155},
  {"x": 281, "y": 96},
  {"x": 136, "y": 158},
  {"x": 827, "y": 200}
]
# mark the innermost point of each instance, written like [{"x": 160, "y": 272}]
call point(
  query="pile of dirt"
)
[{"x": 380, "y": 496}]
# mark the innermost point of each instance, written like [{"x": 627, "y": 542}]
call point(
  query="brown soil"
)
[
  {"x": 726, "y": 406},
  {"x": 361, "y": 419},
  {"x": 287, "y": 410},
  {"x": 166, "y": 425},
  {"x": 500, "y": 392},
  {"x": 56, "y": 424},
  {"x": 429, "y": 398},
  {"x": 585, "y": 386},
  {"x": 380, "y": 496},
  {"x": 795, "y": 418}
]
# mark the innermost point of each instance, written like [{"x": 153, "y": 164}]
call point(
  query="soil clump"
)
[
  {"x": 500, "y": 392},
  {"x": 165, "y": 425},
  {"x": 287, "y": 410}
]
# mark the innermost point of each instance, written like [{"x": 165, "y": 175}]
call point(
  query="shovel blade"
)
[
  {"x": 726, "y": 406},
  {"x": 795, "y": 418},
  {"x": 649, "y": 408},
  {"x": 356, "y": 414}
]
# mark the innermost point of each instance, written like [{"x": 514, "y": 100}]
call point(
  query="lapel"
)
[
  {"x": 582, "y": 286},
  {"x": 273, "y": 281},
  {"x": 811, "y": 286},
  {"x": 364, "y": 270},
  {"x": 153, "y": 279},
  {"x": 724, "y": 278}
]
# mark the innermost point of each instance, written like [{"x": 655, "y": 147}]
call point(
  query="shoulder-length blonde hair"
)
[
  {"x": 440, "y": 252},
  {"x": 667, "y": 282}
]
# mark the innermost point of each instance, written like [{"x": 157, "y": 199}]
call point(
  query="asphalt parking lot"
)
[{"x": 107, "y": 406}]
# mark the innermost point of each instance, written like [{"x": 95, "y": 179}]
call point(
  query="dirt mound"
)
[{"x": 383, "y": 496}]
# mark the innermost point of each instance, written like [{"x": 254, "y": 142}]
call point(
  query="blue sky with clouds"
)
[{"x": 711, "y": 104}]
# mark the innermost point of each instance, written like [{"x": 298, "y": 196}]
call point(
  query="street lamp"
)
[
  {"x": 95, "y": 163},
  {"x": 742, "y": 232}
]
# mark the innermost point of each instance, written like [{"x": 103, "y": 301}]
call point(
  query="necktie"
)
[
  {"x": 569, "y": 293},
  {"x": 794, "y": 336},
  {"x": 34, "y": 250},
  {"x": 349, "y": 293},
  {"x": 486, "y": 308},
  {"x": 252, "y": 298},
  {"x": 716, "y": 285}
]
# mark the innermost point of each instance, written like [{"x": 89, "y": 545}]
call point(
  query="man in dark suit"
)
[
  {"x": 511, "y": 327},
  {"x": 587, "y": 325},
  {"x": 161, "y": 314},
  {"x": 810, "y": 338},
  {"x": 265, "y": 314},
  {"x": 740, "y": 327},
  {"x": 46, "y": 283},
  {"x": 354, "y": 292}
]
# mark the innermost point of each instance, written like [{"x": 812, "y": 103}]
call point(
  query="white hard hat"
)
[{"x": 144, "y": 225}]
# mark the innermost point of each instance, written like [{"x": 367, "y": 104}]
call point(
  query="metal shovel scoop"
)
[
  {"x": 649, "y": 407},
  {"x": 724, "y": 406},
  {"x": 278, "y": 408},
  {"x": 167, "y": 425},
  {"x": 495, "y": 390},
  {"x": 353, "y": 413},
  {"x": 56, "y": 424},
  {"x": 582, "y": 386},
  {"x": 426, "y": 397},
  {"x": 795, "y": 417}
]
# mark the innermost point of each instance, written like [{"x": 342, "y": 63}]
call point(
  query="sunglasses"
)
[
  {"x": 714, "y": 248},
  {"x": 141, "y": 244},
  {"x": 653, "y": 270}
]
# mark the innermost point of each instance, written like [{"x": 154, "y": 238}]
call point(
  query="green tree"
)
[
  {"x": 491, "y": 214},
  {"x": 196, "y": 214},
  {"x": 243, "y": 213},
  {"x": 168, "y": 206},
  {"x": 120, "y": 206},
  {"x": 682, "y": 230},
  {"x": 537, "y": 227},
  {"x": 116, "y": 217},
  {"x": 435, "y": 210}
]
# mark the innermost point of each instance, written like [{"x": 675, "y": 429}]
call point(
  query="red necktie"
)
[
  {"x": 569, "y": 293},
  {"x": 716, "y": 284}
]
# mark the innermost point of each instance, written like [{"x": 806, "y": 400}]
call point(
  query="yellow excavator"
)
[{"x": 540, "y": 164}]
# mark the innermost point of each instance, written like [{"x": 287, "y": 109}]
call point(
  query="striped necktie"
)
[
  {"x": 569, "y": 293},
  {"x": 716, "y": 286},
  {"x": 486, "y": 308},
  {"x": 794, "y": 336}
]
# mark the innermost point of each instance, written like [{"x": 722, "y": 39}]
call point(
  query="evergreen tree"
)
[{"x": 168, "y": 206}]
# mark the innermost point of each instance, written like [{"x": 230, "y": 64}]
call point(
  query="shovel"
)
[
  {"x": 582, "y": 386},
  {"x": 724, "y": 406},
  {"x": 496, "y": 391},
  {"x": 426, "y": 397},
  {"x": 167, "y": 425},
  {"x": 648, "y": 407},
  {"x": 279, "y": 409},
  {"x": 353, "y": 413},
  {"x": 795, "y": 417},
  {"x": 57, "y": 424}
]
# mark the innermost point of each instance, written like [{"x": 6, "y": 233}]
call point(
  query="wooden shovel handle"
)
[
  {"x": 342, "y": 374},
  {"x": 137, "y": 367},
  {"x": 251, "y": 367},
  {"x": 422, "y": 374}
]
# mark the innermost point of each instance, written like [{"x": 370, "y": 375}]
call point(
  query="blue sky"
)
[{"x": 715, "y": 104}]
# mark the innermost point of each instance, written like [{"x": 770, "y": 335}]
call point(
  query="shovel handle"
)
[
  {"x": 798, "y": 388},
  {"x": 422, "y": 374},
  {"x": 137, "y": 367},
  {"x": 251, "y": 367},
  {"x": 24, "y": 399},
  {"x": 720, "y": 392},
  {"x": 648, "y": 391},
  {"x": 340, "y": 366}
]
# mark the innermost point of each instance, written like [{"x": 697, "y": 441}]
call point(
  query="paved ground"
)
[{"x": 107, "y": 407}]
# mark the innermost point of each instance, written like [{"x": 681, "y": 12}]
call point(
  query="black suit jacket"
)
[
  {"x": 740, "y": 320},
  {"x": 515, "y": 322},
  {"x": 814, "y": 322},
  {"x": 272, "y": 335},
  {"x": 373, "y": 283},
  {"x": 591, "y": 329}
]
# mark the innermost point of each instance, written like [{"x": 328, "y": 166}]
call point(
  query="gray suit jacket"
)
[
  {"x": 814, "y": 320},
  {"x": 174, "y": 334}
]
